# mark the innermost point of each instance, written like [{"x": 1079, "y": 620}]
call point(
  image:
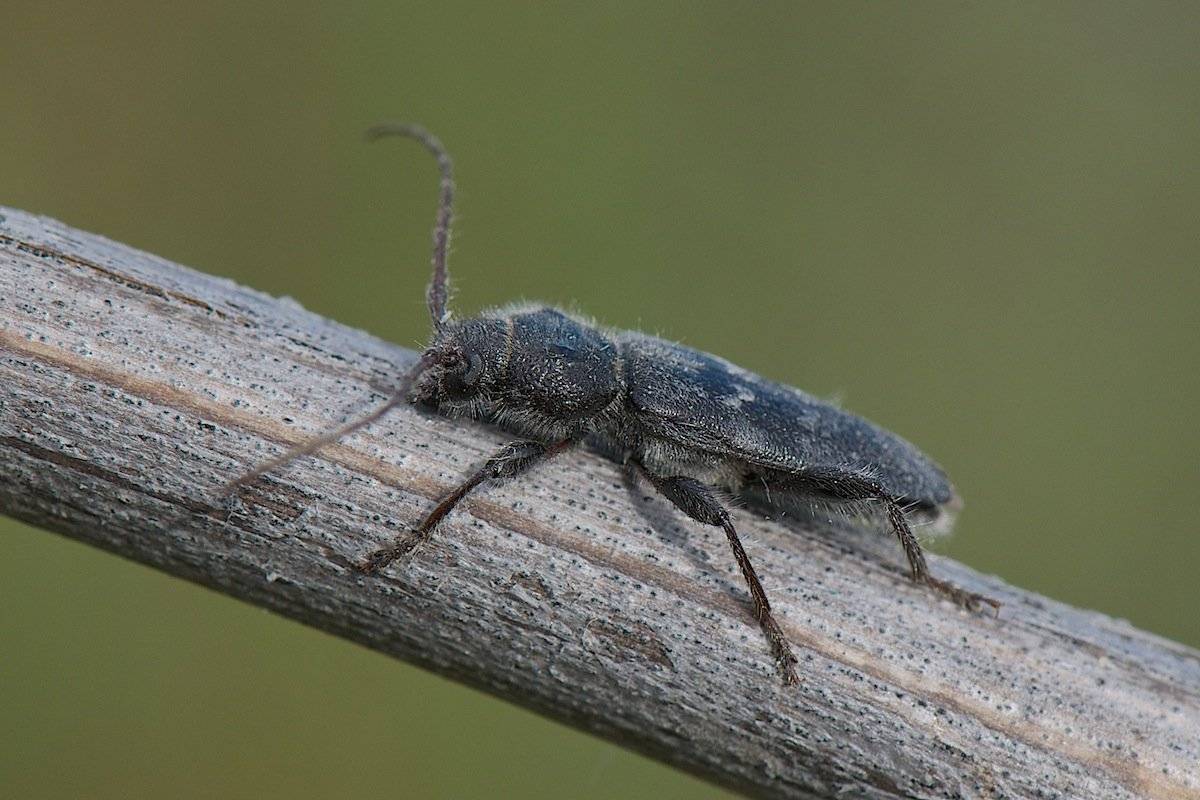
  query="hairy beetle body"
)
[
  {"x": 551, "y": 375},
  {"x": 687, "y": 422}
]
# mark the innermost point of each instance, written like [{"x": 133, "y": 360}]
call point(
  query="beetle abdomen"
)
[{"x": 700, "y": 402}]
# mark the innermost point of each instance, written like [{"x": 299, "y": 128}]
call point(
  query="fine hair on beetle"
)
[{"x": 692, "y": 425}]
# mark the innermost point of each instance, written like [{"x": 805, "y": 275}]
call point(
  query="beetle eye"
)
[
  {"x": 461, "y": 373},
  {"x": 474, "y": 367}
]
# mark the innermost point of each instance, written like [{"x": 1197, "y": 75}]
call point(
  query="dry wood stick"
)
[{"x": 131, "y": 389}]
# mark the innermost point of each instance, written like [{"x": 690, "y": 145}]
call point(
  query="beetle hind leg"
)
[
  {"x": 847, "y": 486},
  {"x": 971, "y": 601}
]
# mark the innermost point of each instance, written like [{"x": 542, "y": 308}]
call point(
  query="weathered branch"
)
[{"x": 131, "y": 388}]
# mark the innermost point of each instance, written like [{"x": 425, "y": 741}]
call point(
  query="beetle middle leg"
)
[
  {"x": 509, "y": 461},
  {"x": 697, "y": 501},
  {"x": 847, "y": 486}
]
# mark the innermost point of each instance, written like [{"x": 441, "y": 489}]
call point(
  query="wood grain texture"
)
[{"x": 132, "y": 388}]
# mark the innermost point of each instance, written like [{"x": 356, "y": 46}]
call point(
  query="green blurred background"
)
[{"x": 976, "y": 223}]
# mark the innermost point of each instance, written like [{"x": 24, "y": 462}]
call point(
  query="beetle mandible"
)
[{"x": 690, "y": 423}]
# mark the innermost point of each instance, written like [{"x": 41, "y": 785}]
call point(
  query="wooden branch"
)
[{"x": 132, "y": 388}]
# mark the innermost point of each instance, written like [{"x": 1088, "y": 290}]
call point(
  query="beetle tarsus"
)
[{"x": 971, "y": 601}]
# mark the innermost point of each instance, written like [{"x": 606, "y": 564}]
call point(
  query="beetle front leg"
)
[{"x": 509, "y": 461}]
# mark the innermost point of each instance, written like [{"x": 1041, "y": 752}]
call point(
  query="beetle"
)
[{"x": 691, "y": 424}]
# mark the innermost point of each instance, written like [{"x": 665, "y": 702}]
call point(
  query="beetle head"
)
[{"x": 458, "y": 371}]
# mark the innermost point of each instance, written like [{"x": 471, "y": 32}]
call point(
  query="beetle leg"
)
[
  {"x": 697, "y": 501},
  {"x": 847, "y": 486},
  {"x": 509, "y": 461}
]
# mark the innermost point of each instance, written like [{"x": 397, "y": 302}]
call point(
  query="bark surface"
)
[{"x": 131, "y": 389}]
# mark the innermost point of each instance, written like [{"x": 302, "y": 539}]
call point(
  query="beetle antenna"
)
[
  {"x": 435, "y": 297},
  {"x": 439, "y": 284},
  {"x": 314, "y": 444}
]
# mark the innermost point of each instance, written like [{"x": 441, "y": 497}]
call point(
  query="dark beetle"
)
[{"x": 687, "y": 421}]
